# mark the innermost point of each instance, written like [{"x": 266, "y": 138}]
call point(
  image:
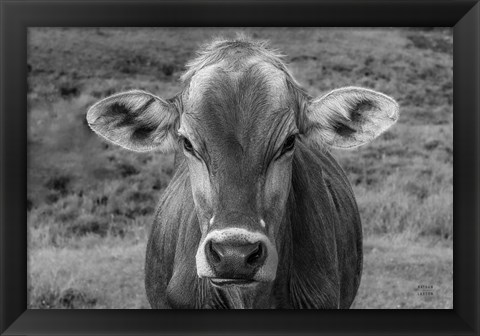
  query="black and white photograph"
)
[{"x": 240, "y": 168}]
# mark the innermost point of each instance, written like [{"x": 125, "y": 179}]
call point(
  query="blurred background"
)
[{"x": 90, "y": 204}]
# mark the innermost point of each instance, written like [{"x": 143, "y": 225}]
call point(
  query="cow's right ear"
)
[{"x": 135, "y": 120}]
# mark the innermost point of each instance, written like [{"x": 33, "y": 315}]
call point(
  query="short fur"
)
[
  {"x": 238, "y": 107},
  {"x": 320, "y": 263},
  {"x": 321, "y": 254}
]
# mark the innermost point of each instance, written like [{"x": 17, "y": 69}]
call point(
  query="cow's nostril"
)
[
  {"x": 255, "y": 255},
  {"x": 235, "y": 260},
  {"x": 216, "y": 258}
]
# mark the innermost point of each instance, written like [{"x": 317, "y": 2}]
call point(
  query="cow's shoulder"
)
[
  {"x": 174, "y": 211},
  {"x": 348, "y": 229},
  {"x": 325, "y": 225}
]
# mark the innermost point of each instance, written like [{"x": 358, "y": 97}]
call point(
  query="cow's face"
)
[
  {"x": 237, "y": 123},
  {"x": 238, "y": 133}
]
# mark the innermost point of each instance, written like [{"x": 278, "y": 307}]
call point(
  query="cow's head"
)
[{"x": 237, "y": 121}]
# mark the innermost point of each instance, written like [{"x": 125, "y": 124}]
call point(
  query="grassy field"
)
[{"x": 90, "y": 204}]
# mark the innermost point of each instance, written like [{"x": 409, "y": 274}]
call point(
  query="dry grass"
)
[
  {"x": 90, "y": 204},
  {"x": 106, "y": 275},
  {"x": 395, "y": 270}
]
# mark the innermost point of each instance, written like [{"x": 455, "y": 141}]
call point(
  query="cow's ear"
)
[
  {"x": 349, "y": 117},
  {"x": 135, "y": 120}
]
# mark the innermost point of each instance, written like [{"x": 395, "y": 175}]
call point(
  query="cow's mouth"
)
[{"x": 219, "y": 282}]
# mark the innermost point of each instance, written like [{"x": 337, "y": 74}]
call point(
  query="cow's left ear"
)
[{"x": 349, "y": 117}]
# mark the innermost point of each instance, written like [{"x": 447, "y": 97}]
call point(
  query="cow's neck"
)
[
  {"x": 234, "y": 297},
  {"x": 307, "y": 275}
]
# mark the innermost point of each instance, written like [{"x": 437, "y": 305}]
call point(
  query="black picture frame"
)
[{"x": 16, "y": 16}]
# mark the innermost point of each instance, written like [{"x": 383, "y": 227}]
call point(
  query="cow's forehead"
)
[
  {"x": 242, "y": 108},
  {"x": 236, "y": 98},
  {"x": 232, "y": 73}
]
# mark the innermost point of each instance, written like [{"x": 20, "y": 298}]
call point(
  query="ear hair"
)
[
  {"x": 350, "y": 117},
  {"x": 135, "y": 120}
]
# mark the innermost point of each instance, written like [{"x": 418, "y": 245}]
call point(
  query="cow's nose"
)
[{"x": 235, "y": 260}]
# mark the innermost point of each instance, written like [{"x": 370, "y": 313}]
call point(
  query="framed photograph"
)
[{"x": 292, "y": 160}]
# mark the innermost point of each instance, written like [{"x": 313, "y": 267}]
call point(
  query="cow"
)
[{"x": 258, "y": 213}]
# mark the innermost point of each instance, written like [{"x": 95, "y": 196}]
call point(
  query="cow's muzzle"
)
[
  {"x": 234, "y": 260},
  {"x": 236, "y": 256}
]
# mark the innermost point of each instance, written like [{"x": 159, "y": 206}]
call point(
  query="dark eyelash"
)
[
  {"x": 187, "y": 145},
  {"x": 289, "y": 144}
]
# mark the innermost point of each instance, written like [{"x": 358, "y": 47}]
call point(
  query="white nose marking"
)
[
  {"x": 211, "y": 220},
  {"x": 262, "y": 223}
]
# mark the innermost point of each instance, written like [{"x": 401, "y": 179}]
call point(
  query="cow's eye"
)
[
  {"x": 187, "y": 145},
  {"x": 289, "y": 144}
]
